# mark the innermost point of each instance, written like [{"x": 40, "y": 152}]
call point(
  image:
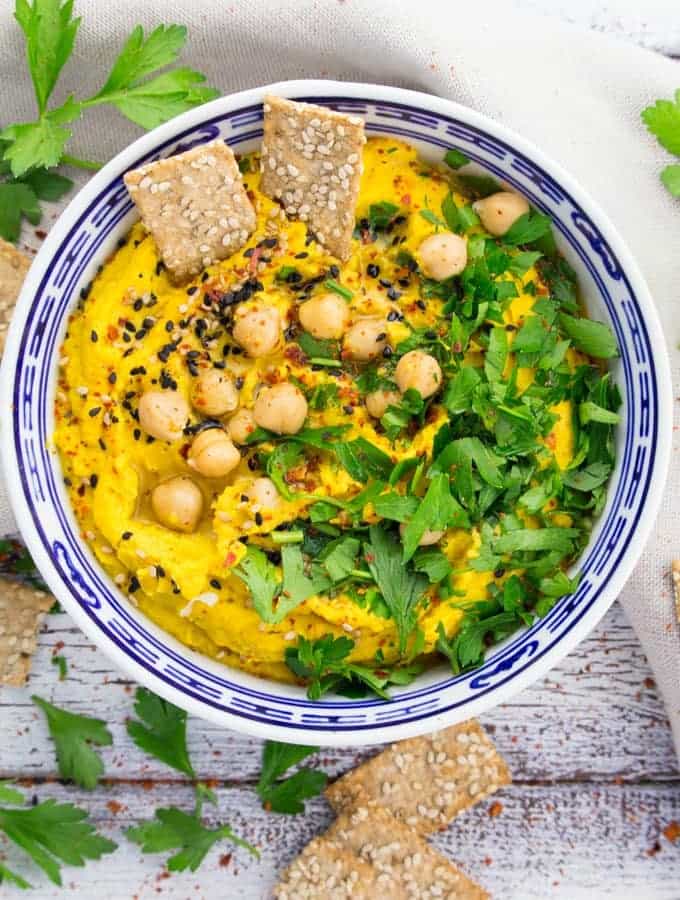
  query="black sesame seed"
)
[
  {"x": 302, "y": 255},
  {"x": 499, "y": 573},
  {"x": 205, "y": 276},
  {"x": 68, "y": 482},
  {"x": 334, "y": 271},
  {"x": 94, "y": 337},
  {"x": 129, "y": 350},
  {"x": 112, "y": 378},
  {"x": 373, "y": 270},
  {"x": 102, "y": 444},
  {"x": 134, "y": 584},
  {"x": 258, "y": 518},
  {"x": 269, "y": 243},
  {"x": 85, "y": 292},
  {"x": 130, "y": 326},
  {"x": 253, "y": 463},
  {"x": 138, "y": 304},
  {"x": 385, "y": 282},
  {"x": 215, "y": 583},
  {"x": 192, "y": 290},
  {"x": 94, "y": 479},
  {"x": 348, "y": 409},
  {"x": 126, "y": 535},
  {"x": 381, "y": 337},
  {"x": 141, "y": 334},
  {"x": 136, "y": 434},
  {"x": 244, "y": 498},
  {"x": 510, "y": 328},
  {"x": 393, "y": 293},
  {"x": 138, "y": 370},
  {"x": 169, "y": 325},
  {"x": 150, "y": 439},
  {"x": 392, "y": 315},
  {"x": 160, "y": 265},
  {"x": 431, "y": 335},
  {"x": 127, "y": 339},
  {"x": 387, "y": 352},
  {"x": 421, "y": 305},
  {"x": 220, "y": 364},
  {"x": 238, "y": 383},
  {"x": 160, "y": 571},
  {"x": 236, "y": 351},
  {"x": 94, "y": 411},
  {"x": 148, "y": 322}
]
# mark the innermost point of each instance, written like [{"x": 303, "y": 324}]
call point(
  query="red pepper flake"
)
[
  {"x": 112, "y": 332},
  {"x": 672, "y": 831},
  {"x": 230, "y": 559},
  {"x": 495, "y": 809},
  {"x": 254, "y": 259},
  {"x": 406, "y": 200},
  {"x": 114, "y": 807},
  {"x": 225, "y": 859}
]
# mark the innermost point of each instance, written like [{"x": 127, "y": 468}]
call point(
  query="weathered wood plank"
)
[
  {"x": 597, "y": 716},
  {"x": 566, "y": 841}
]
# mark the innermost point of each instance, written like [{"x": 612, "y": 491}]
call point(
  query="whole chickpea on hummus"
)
[{"x": 343, "y": 400}]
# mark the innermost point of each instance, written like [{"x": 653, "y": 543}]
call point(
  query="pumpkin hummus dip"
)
[{"x": 331, "y": 413}]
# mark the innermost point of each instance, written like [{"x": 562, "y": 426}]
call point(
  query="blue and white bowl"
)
[{"x": 87, "y": 233}]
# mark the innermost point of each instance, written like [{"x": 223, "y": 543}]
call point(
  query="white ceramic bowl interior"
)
[{"x": 87, "y": 233}]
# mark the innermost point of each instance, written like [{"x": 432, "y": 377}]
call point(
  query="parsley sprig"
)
[
  {"x": 50, "y": 833},
  {"x": 136, "y": 86},
  {"x": 289, "y": 794},
  {"x": 174, "y": 829},
  {"x": 161, "y": 731},
  {"x": 663, "y": 121}
]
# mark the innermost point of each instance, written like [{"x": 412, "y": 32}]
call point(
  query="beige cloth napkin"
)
[{"x": 576, "y": 94}]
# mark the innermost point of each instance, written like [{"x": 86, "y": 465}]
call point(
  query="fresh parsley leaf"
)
[
  {"x": 323, "y": 396},
  {"x": 7, "y": 876},
  {"x": 521, "y": 262},
  {"x": 17, "y": 200},
  {"x": 9, "y": 794},
  {"x": 588, "y": 478},
  {"x": 62, "y": 665},
  {"x": 261, "y": 578},
  {"x": 47, "y": 185},
  {"x": 671, "y": 178},
  {"x": 591, "y": 412},
  {"x": 317, "y": 661},
  {"x": 496, "y": 354},
  {"x": 433, "y": 219},
  {"x": 663, "y": 121},
  {"x": 397, "y": 507},
  {"x": 381, "y": 214},
  {"x": 531, "y": 539},
  {"x": 363, "y": 460},
  {"x": 433, "y": 563},
  {"x": 40, "y": 143},
  {"x": 594, "y": 338},
  {"x": 73, "y": 736},
  {"x": 162, "y": 731},
  {"x": 401, "y": 588},
  {"x": 459, "y": 391},
  {"x": 140, "y": 57},
  {"x": 437, "y": 511},
  {"x": 315, "y": 347},
  {"x": 300, "y": 580},
  {"x": 487, "y": 462},
  {"x": 455, "y": 159},
  {"x": 174, "y": 829},
  {"x": 52, "y": 833},
  {"x": 561, "y": 281},
  {"x": 528, "y": 228},
  {"x": 284, "y": 458},
  {"x": 50, "y": 31},
  {"x": 398, "y": 415},
  {"x": 288, "y": 796},
  {"x": 339, "y": 557}
]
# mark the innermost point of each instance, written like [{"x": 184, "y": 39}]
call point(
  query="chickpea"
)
[
  {"x": 378, "y": 401},
  {"x": 263, "y": 493},
  {"x": 428, "y": 539},
  {"x": 178, "y": 503},
  {"x": 281, "y": 408},
  {"x": 366, "y": 339},
  {"x": 443, "y": 255},
  {"x": 212, "y": 454},
  {"x": 325, "y": 316},
  {"x": 420, "y": 371},
  {"x": 241, "y": 426},
  {"x": 258, "y": 330},
  {"x": 163, "y": 414},
  {"x": 214, "y": 393},
  {"x": 501, "y": 210}
]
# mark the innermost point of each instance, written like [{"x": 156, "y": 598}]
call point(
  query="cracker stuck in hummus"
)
[
  {"x": 195, "y": 206},
  {"x": 13, "y": 268},
  {"x": 311, "y": 163},
  {"x": 426, "y": 782},
  {"x": 22, "y": 610}
]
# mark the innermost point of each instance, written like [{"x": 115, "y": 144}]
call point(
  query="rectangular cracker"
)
[
  {"x": 22, "y": 609},
  {"x": 395, "y": 849},
  {"x": 426, "y": 782},
  {"x": 13, "y": 268},
  {"x": 325, "y": 871},
  {"x": 195, "y": 207},
  {"x": 311, "y": 163},
  {"x": 675, "y": 568}
]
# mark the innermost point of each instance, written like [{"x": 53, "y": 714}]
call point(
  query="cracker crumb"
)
[{"x": 22, "y": 610}]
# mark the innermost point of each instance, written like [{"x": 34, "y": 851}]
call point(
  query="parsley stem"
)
[
  {"x": 287, "y": 537},
  {"x": 323, "y": 361},
  {"x": 77, "y": 163},
  {"x": 333, "y": 285},
  {"x": 361, "y": 575}
]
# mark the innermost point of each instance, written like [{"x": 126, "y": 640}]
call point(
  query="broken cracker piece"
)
[
  {"x": 22, "y": 609},
  {"x": 13, "y": 268},
  {"x": 195, "y": 207},
  {"x": 426, "y": 781},
  {"x": 311, "y": 163},
  {"x": 675, "y": 569},
  {"x": 324, "y": 871},
  {"x": 395, "y": 849}
]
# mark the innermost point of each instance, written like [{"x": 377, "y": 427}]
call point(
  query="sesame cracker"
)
[
  {"x": 311, "y": 163},
  {"x": 324, "y": 871},
  {"x": 13, "y": 268},
  {"x": 22, "y": 610},
  {"x": 395, "y": 849},
  {"x": 426, "y": 782},
  {"x": 195, "y": 206},
  {"x": 675, "y": 568}
]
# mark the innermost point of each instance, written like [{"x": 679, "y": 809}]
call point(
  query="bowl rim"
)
[{"x": 310, "y": 89}]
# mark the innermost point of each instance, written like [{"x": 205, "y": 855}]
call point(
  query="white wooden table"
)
[
  {"x": 596, "y": 780},
  {"x": 595, "y": 784}
]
